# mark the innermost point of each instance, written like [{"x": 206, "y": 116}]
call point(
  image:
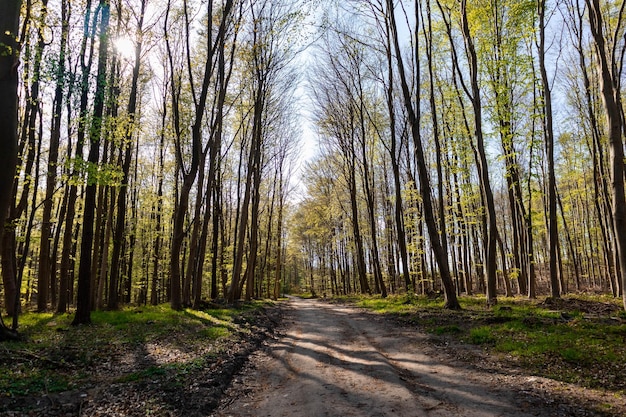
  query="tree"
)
[
  {"x": 118, "y": 232},
  {"x": 9, "y": 55},
  {"x": 339, "y": 119},
  {"x": 83, "y": 306},
  {"x": 483, "y": 167},
  {"x": 46, "y": 269},
  {"x": 200, "y": 94},
  {"x": 425, "y": 189},
  {"x": 549, "y": 141},
  {"x": 268, "y": 52},
  {"x": 610, "y": 54}
]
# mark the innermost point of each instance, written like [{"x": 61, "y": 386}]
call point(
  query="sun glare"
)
[{"x": 125, "y": 47}]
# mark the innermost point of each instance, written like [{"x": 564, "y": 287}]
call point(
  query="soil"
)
[
  {"x": 314, "y": 358},
  {"x": 335, "y": 360},
  {"x": 142, "y": 381}
]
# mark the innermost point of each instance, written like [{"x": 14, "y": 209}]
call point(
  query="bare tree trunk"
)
[
  {"x": 279, "y": 235},
  {"x": 9, "y": 48},
  {"x": 46, "y": 268},
  {"x": 610, "y": 74},
  {"x": 83, "y": 306},
  {"x": 234, "y": 293},
  {"x": 200, "y": 101},
  {"x": 118, "y": 232},
  {"x": 425, "y": 190},
  {"x": 549, "y": 143},
  {"x": 483, "y": 167},
  {"x": 67, "y": 262}
]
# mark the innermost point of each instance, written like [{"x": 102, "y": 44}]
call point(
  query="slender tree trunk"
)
[
  {"x": 83, "y": 306},
  {"x": 46, "y": 268},
  {"x": 369, "y": 186},
  {"x": 483, "y": 167},
  {"x": 215, "y": 237},
  {"x": 395, "y": 166},
  {"x": 609, "y": 79},
  {"x": 9, "y": 50},
  {"x": 278, "y": 269},
  {"x": 118, "y": 232},
  {"x": 86, "y": 57},
  {"x": 240, "y": 238},
  {"x": 549, "y": 143},
  {"x": 425, "y": 190},
  {"x": 601, "y": 188},
  {"x": 200, "y": 101},
  {"x": 433, "y": 111}
]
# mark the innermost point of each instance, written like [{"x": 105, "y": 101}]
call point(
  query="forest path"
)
[{"x": 335, "y": 360}]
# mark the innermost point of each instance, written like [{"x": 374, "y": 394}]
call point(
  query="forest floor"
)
[
  {"x": 338, "y": 360},
  {"x": 294, "y": 358},
  {"x": 142, "y": 362}
]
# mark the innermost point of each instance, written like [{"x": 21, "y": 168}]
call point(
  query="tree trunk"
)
[
  {"x": 83, "y": 306},
  {"x": 46, "y": 269},
  {"x": 425, "y": 190},
  {"x": 610, "y": 78},
  {"x": 9, "y": 50},
  {"x": 549, "y": 143},
  {"x": 483, "y": 167},
  {"x": 67, "y": 262},
  {"x": 120, "y": 222}
]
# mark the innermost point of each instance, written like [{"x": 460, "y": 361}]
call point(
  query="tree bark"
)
[
  {"x": 440, "y": 254},
  {"x": 120, "y": 222},
  {"x": 549, "y": 143},
  {"x": 610, "y": 78},
  {"x": 9, "y": 50},
  {"x": 83, "y": 306}
]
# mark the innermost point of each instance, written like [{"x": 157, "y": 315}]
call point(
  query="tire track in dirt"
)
[{"x": 334, "y": 360}]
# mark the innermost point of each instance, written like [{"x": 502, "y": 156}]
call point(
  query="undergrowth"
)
[
  {"x": 123, "y": 346},
  {"x": 578, "y": 338}
]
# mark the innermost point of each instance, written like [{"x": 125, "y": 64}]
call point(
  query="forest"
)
[{"x": 158, "y": 151}]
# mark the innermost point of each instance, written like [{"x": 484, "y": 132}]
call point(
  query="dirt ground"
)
[
  {"x": 313, "y": 358},
  {"x": 336, "y": 360}
]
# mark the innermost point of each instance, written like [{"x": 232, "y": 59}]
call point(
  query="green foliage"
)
[
  {"x": 23, "y": 382},
  {"x": 451, "y": 328},
  {"x": 481, "y": 335},
  {"x": 574, "y": 339},
  {"x": 100, "y": 174}
]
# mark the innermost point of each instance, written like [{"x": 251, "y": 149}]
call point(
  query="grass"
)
[
  {"x": 55, "y": 356},
  {"x": 578, "y": 339}
]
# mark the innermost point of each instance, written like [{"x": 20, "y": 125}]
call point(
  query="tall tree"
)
[
  {"x": 118, "y": 232},
  {"x": 200, "y": 94},
  {"x": 83, "y": 305},
  {"x": 46, "y": 271},
  {"x": 610, "y": 54},
  {"x": 549, "y": 143},
  {"x": 9, "y": 55},
  {"x": 86, "y": 56},
  {"x": 474, "y": 95},
  {"x": 439, "y": 251}
]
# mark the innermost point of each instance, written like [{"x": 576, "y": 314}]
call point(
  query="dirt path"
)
[{"x": 333, "y": 360}]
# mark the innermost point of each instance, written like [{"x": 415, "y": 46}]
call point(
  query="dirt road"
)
[{"x": 334, "y": 360}]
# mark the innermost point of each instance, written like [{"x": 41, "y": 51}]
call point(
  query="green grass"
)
[
  {"x": 447, "y": 329},
  {"x": 24, "y": 381},
  {"x": 481, "y": 335},
  {"x": 55, "y": 356},
  {"x": 576, "y": 339}
]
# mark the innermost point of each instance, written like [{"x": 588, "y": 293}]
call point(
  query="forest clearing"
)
[{"x": 363, "y": 357}]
